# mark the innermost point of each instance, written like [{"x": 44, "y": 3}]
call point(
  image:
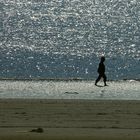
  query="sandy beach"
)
[{"x": 69, "y": 119}]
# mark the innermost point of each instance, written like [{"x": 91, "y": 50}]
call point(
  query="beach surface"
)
[
  {"x": 69, "y": 119},
  {"x": 43, "y": 89}
]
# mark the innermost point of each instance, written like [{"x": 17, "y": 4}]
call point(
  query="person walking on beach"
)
[{"x": 101, "y": 71}]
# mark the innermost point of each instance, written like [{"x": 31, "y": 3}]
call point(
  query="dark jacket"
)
[{"x": 101, "y": 68}]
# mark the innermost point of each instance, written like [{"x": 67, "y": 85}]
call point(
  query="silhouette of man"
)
[{"x": 101, "y": 71}]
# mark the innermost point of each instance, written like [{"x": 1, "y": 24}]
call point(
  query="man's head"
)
[{"x": 102, "y": 59}]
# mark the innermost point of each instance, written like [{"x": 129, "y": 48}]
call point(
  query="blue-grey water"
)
[{"x": 66, "y": 38}]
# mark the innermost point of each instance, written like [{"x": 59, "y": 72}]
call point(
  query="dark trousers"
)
[{"x": 101, "y": 75}]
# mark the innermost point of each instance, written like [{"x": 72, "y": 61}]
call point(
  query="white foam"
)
[{"x": 120, "y": 90}]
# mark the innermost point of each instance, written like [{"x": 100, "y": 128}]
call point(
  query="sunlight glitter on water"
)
[{"x": 40, "y": 38}]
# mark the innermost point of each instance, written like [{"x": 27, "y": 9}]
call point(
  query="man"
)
[{"x": 101, "y": 71}]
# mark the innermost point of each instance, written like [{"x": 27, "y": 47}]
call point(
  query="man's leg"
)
[
  {"x": 104, "y": 77},
  {"x": 98, "y": 79}
]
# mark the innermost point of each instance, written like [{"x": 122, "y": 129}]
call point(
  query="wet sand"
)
[{"x": 69, "y": 119}]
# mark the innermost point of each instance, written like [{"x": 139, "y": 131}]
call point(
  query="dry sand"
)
[{"x": 69, "y": 119}]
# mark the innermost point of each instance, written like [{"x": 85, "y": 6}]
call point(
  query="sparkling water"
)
[{"x": 65, "y": 38}]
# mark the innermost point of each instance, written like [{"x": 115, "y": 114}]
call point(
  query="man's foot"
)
[
  {"x": 105, "y": 85},
  {"x": 95, "y": 84}
]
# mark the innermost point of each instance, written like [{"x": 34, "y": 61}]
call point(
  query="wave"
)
[{"x": 62, "y": 79}]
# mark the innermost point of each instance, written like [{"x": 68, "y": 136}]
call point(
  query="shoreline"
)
[
  {"x": 71, "y": 119},
  {"x": 61, "y": 79},
  {"x": 121, "y": 90}
]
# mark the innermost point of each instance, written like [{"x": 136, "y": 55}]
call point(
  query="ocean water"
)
[{"x": 66, "y": 38}]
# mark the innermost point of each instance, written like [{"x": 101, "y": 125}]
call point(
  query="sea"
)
[{"x": 64, "y": 39}]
